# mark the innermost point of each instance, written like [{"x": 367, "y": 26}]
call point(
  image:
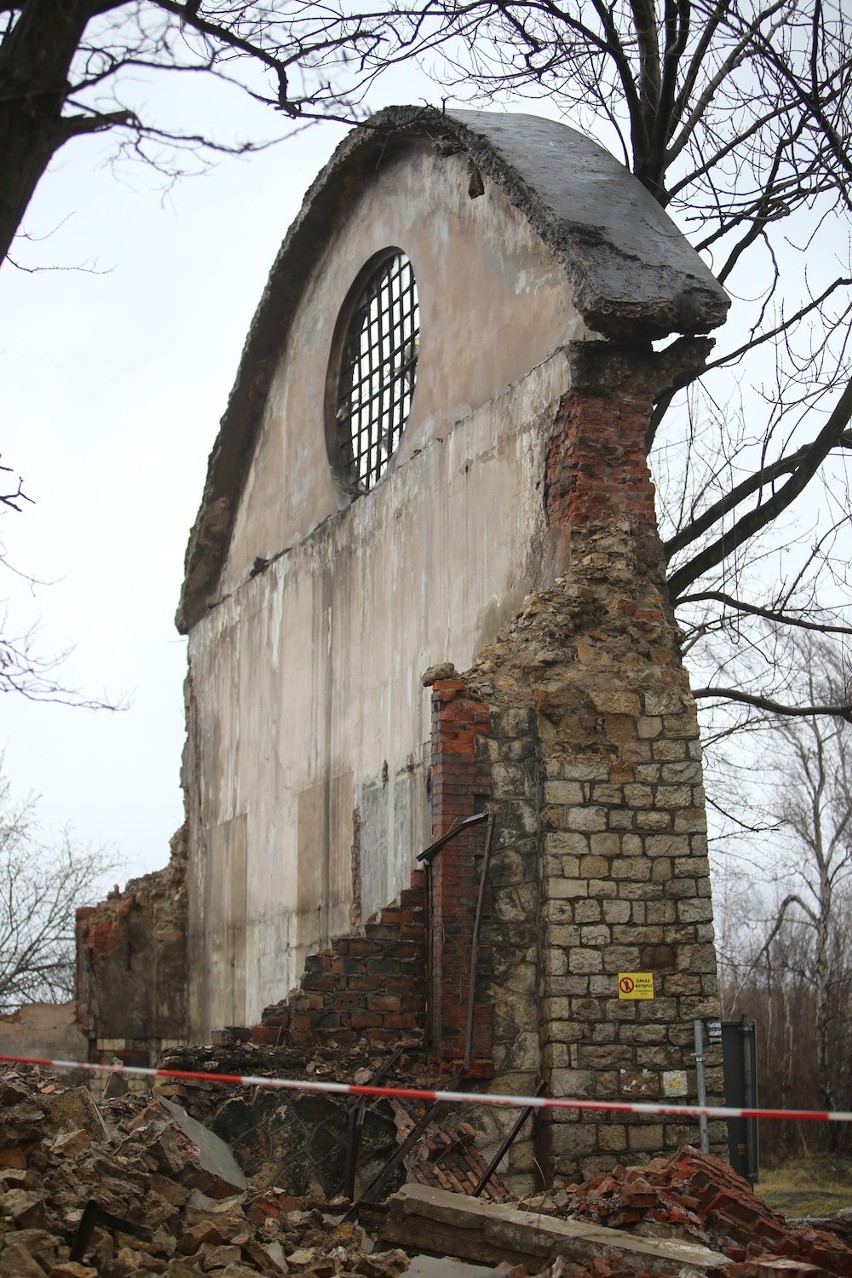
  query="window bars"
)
[{"x": 377, "y": 371}]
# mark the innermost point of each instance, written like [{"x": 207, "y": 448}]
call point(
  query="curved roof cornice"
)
[{"x": 633, "y": 275}]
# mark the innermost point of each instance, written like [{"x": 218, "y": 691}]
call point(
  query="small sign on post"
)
[{"x": 635, "y": 984}]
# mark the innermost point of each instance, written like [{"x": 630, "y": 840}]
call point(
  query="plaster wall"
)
[
  {"x": 43, "y": 1029},
  {"x": 494, "y": 303},
  {"x": 309, "y": 725}
]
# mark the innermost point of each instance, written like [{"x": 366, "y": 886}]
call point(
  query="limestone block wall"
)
[{"x": 595, "y": 767}]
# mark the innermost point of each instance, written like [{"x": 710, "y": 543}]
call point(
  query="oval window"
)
[{"x": 374, "y": 385}]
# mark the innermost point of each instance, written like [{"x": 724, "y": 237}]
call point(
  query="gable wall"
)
[
  {"x": 308, "y": 758},
  {"x": 493, "y": 304}
]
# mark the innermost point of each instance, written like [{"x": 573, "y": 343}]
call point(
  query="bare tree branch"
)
[
  {"x": 42, "y": 884},
  {"x": 751, "y": 523},
  {"x": 843, "y": 710}
]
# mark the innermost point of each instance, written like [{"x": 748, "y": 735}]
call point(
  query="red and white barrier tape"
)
[{"x": 424, "y": 1094}]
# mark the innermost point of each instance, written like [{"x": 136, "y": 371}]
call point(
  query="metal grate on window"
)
[{"x": 377, "y": 371}]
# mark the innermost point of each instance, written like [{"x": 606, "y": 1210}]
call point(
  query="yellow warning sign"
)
[{"x": 635, "y": 984}]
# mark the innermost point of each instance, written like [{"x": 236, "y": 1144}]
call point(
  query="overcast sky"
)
[
  {"x": 113, "y": 379},
  {"x": 112, "y": 384}
]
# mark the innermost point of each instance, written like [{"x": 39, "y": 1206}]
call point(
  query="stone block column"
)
[{"x": 623, "y": 875}]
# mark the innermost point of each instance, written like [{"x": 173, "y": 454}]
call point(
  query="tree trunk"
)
[
  {"x": 822, "y": 1010},
  {"x": 35, "y": 58}
]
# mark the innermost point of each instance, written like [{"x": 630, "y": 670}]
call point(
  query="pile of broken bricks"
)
[
  {"x": 699, "y": 1197},
  {"x": 133, "y": 1185}
]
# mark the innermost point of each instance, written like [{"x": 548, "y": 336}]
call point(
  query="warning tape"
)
[{"x": 497, "y": 1099}]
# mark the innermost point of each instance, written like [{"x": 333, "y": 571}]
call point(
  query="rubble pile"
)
[
  {"x": 301, "y": 1141},
  {"x": 133, "y": 1187},
  {"x": 445, "y": 1154},
  {"x": 700, "y": 1197},
  {"x": 297, "y": 1141}
]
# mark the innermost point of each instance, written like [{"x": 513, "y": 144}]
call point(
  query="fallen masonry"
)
[{"x": 136, "y": 1185}]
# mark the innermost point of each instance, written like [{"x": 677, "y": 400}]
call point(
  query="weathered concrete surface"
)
[
  {"x": 218, "y": 1173},
  {"x": 513, "y": 537},
  {"x": 631, "y": 270},
  {"x": 306, "y": 704},
  {"x": 43, "y": 1029},
  {"x": 435, "y": 1221},
  {"x": 627, "y": 263},
  {"x": 446, "y": 1267},
  {"x": 313, "y": 616}
]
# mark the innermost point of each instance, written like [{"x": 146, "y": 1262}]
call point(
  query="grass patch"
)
[{"x": 817, "y": 1186}]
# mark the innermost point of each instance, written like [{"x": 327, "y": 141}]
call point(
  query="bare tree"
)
[
  {"x": 71, "y": 68},
  {"x": 816, "y": 808},
  {"x": 41, "y": 884},
  {"x": 24, "y": 669},
  {"x": 736, "y": 117},
  {"x": 785, "y": 945}
]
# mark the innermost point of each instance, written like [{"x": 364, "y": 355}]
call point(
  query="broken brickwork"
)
[
  {"x": 131, "y": 965},
  {"x": 369, "y": 987},
  {"x": 577, "y": 728},
  {"x": 601, "y": 861},
  {"x": 511, "y": 538},
  {"x": 460, "y": 787}
]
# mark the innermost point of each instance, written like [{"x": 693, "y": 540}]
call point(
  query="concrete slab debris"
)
[
  {"x": 446, "y": 1267},
  {"x": 437, "y": 1221},
  {"x": 218, "y": 1172}
]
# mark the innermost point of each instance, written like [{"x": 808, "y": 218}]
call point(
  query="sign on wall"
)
[{"x": 635, "y": 984}]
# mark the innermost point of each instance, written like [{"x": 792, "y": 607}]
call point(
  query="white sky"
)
[{"x": 111, "y": 389}]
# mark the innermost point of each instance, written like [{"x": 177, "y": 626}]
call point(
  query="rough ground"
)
[{"x": 163, "y": 1196}]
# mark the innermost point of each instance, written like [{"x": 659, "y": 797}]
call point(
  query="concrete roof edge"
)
[{"x": 557, "y": 187}]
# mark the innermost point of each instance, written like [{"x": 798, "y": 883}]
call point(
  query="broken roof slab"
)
[{"x": 633, "y": 276}]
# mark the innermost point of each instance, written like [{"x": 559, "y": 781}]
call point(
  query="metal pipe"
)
[
  {"x": 428, "y": 853},
  {"x": 701, "y": 1085},
  {"x": 750, "y": 1098},
  {"x": 429, "y": 1000},
  {"x": 474, "y": 946},
  {"x": 508, "y": 1140}
]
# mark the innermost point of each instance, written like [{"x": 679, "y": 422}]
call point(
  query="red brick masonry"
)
[
  {"x": 344, "y": 992},
  {"x": 702, "y": 1195},
  {"x": 596, "y": 466},
  {"x": 461, "y": 785}
]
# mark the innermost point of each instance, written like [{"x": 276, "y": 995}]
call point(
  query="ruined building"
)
[{"x": 431, "y": 471}]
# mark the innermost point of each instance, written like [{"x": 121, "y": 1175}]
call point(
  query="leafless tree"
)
[
  {"x": 785, "y": 944},
  {"x": 41, "y": 884},
  {"x": 24, "y": 669},
  {"x": 735, "y": 116},
  {"x": 71, "y": 68},
  {"x": 738, "y": 120}
]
